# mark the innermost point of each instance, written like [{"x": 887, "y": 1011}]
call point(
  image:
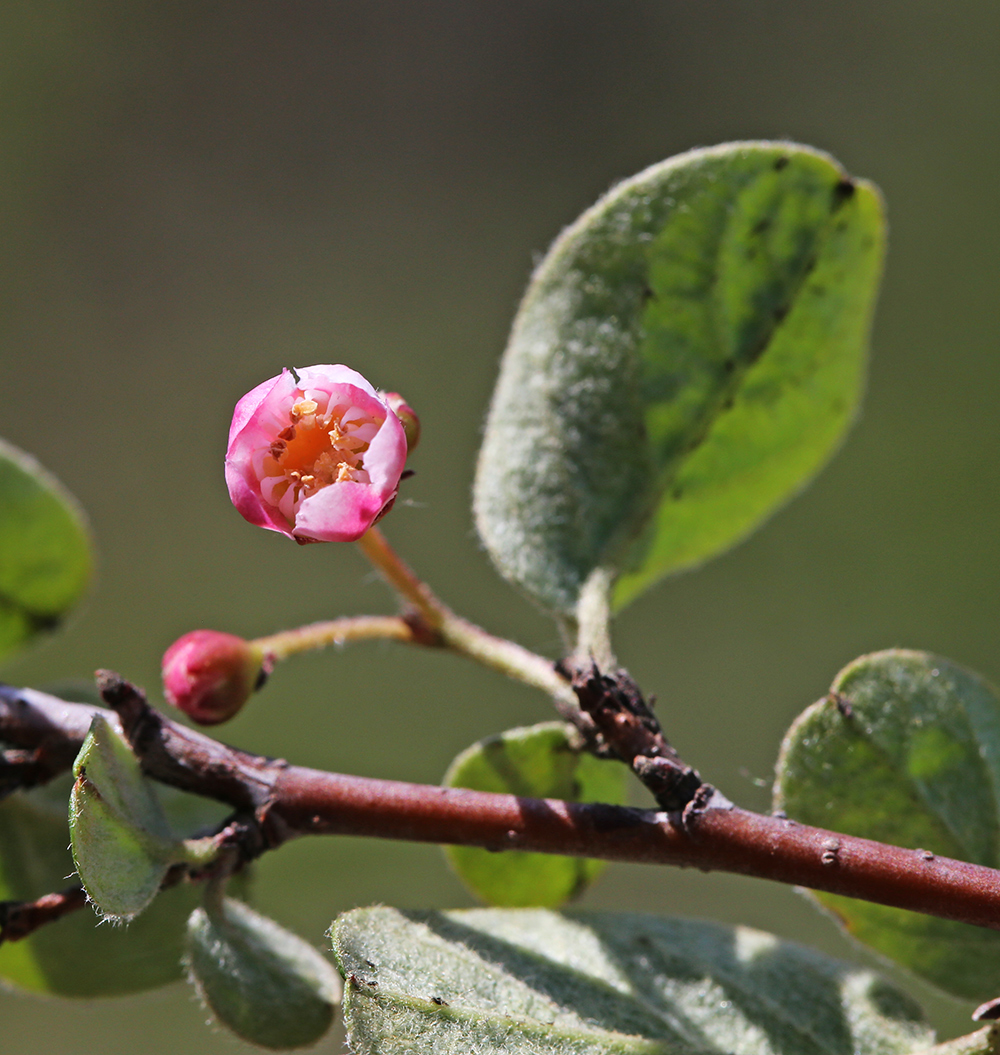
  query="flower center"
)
[{"x": 324, "y": 443}]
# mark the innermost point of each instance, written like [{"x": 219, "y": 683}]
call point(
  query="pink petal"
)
[{"x": 339, "y": 513}]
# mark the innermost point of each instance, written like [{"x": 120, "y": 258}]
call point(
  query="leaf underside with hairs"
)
[
  {"x": 532, "y": 981},
  {"x": 686, "y": 357},
  {"x": 907, "y": 752},
  {"x": 261, "y": 981}
]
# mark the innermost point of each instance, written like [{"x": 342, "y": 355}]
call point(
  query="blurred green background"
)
[{"x": 194, "y": 194}]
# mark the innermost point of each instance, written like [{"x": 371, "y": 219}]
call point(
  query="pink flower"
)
[
  {"x": 315, "y": 454},
  {"x": 210, "y": 675}
]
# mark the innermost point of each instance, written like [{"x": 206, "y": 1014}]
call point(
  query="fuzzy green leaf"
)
[
  {"x": 535, "y": 982},
  {"x": 687, "y": 355},
  {"x": 77, "y": 956},
  {"x": 907, "y": 752},
  {"x": 540, "y": 761},
  {"x": 45, "y": 559},
  {"x": 261, "y": 981},
  {"x": 122, "y": 843}
]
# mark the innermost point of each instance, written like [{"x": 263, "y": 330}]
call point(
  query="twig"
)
[
  {"x": 44, "y": 731},
  {"x": 18, "y": 919},
  {"x": 628, "y": 730},
  {"x": 285, "y": 801}
]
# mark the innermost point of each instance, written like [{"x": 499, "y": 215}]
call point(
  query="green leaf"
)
[
  {"x": 45, "y": 559},
  {"x": 261, "y": 981},
  {"x": 540, "y": 761},
  {"x": 75, "y": 956},
  {"x": 122, "y": 843},
  {"x": 906, "y": 752},
  {"x": 534, "y": 981},
  {"x": 687, "y": 355}
]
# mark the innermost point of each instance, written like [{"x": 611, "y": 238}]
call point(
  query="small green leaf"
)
[
  {"x": 541, "y": 761},
  {"x": 261, "y": 981},
  {"x": 122, "y": 843},
  {"x": 907, "y": 752},
  {"x": 535, "y": 982},
  {"x": 75, "y": 956},
  {"x": 687, "y": 355},
  {"x": 45, "y": 560}
]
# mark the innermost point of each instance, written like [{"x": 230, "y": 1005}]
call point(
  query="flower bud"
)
[
  {"x": 408, "y": 417},
  {"x": 316, "y": 454},
  {"x": 210, "y": 675}
]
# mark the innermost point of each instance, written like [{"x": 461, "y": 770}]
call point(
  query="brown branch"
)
[
  {"x": 725, "y": 839},
  {"x": 613, "y": 706},
  {"x": 45, "y": 733},
  {"x": 286, "y": 801},
  {"x": 18, "y": 919}
]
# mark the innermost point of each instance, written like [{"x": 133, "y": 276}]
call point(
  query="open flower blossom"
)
[{"x": 315, "y": 453}]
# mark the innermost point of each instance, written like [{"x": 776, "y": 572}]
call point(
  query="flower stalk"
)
[
  {"x": 313, "y": 636},
  {"x": 398, "y": 574},
  {"x": 459, "y": 634}
]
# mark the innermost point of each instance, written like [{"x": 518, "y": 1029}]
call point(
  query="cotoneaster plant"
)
[{"x": 687, "y": 356}]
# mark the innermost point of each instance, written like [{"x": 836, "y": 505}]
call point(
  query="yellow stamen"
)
[
  {"x": 303, "y": 407},
  {"x": 316, "y": 450}
]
